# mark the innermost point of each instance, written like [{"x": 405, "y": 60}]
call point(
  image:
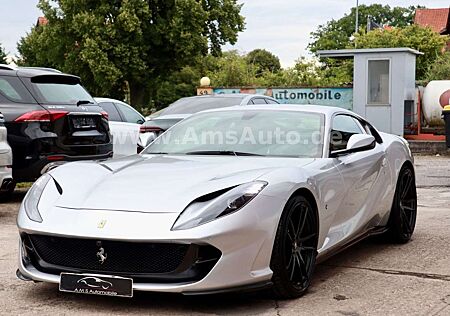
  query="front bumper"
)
[{"x": 245, "y": 240}]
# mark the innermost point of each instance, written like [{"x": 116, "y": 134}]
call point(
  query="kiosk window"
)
[{"x": 379, "y": 82}]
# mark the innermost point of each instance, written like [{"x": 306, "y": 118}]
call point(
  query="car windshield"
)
[
  {"x": 198, "y": 104},
  {"x": 245, "y": 132}
]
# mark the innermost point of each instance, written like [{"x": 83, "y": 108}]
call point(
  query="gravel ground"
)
[{"x": 370, "y": 278}]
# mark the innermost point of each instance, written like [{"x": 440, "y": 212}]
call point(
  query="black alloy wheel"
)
[
  {"x": 403, "y": 216},
  {"x": 295, "y": 249}
]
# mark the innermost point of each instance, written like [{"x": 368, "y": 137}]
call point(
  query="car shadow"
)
[
  {"x": 9, "y": 206},
  {"x": 355, "y": 256},
  {"x": 233, "y": 303}
]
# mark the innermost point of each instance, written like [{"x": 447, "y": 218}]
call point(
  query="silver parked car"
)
[
  {"x": 237, "y": 198},
  {"x": 185, "y": 107},
  {"x": 6, "y": 181}
]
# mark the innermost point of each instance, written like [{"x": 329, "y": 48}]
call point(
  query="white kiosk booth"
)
[{"x": 384, "y": 82}]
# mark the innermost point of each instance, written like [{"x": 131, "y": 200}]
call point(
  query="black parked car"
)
[{"x": 50, "y": 118}]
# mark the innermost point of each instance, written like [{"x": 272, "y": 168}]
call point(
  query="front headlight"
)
[
  {"x": 201, "y": 212},
  {"x": 31, "y": 200}
]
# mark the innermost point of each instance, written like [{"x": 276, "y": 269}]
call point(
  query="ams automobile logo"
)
[{"x": 95, "y": 283}]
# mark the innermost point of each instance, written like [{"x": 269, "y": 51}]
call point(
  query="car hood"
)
[{"x": 157, "y": 184}]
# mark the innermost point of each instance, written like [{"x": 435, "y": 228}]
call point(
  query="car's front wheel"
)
[
  {"x": 295, "y": 249},
  {"x": 402, "y": 220}
]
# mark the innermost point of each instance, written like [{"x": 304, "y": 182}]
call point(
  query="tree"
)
[
  {"x": 304, "y": 73},
  {"x": 336, "y": 34},
  {"x": 232, "y": 70},
  {"x": 430, "y": 43},
  {"x": 264, "y": 60},
  {"x": 2, "y": 55},
  {"x": 440, "y": 69},
  {"x": 229, "y": 69},
  {"x": 182, "y": 83},
  {"x": 129, "y": 43},
  {"x": 339, "y": 34}
]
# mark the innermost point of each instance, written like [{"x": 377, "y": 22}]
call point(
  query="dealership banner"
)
[{"x": 340, "y": 97}]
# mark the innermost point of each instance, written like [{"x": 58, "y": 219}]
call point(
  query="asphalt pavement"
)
[{"x": 371, "y": 278}]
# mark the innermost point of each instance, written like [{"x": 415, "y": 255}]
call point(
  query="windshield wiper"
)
[
  {"x": 82, "y": 102},
  {"x": 221, "y": 153}
]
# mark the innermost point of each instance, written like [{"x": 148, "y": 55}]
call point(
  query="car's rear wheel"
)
[
  {"x": 6, "y": 195},
  {"x": 403, "y": 216},
  {"x": 295, "y": 249}
]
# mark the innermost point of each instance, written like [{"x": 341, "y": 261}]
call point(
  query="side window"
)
[
  {"x": 13, "y": 89},
  {"x": 372, "y": 131},
  {"x": 112, "y": 111},
  {"x": 259, "y": 101},
  {"x": 344, "y": 126},
  {"x": 130, "y": 115},
  {"x": 270, "y": 101}
]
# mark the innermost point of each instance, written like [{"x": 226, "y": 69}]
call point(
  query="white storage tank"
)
[{"x": 435, "y": 97}]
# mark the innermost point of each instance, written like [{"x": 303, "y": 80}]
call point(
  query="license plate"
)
[
  {"x": 84, "y": 123},
  {"x": 96, "y": 284}
]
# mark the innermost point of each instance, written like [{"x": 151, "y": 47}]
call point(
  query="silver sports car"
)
[{"x": 235, "y": 199}]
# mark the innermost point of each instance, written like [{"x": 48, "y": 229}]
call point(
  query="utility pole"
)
[{"x": 357, "y": 17}]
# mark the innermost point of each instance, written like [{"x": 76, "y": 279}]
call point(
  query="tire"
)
[
  {"x": 402, "y": 220},
  {"x": 7, "y": 195},
  {"x": 295, "y": 249}
]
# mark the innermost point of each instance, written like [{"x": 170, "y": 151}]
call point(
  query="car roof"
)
[
  {"x": 101, "y": 100},
  {"x": 229, "y": 95},
  {"x": 29, "y": 72},
  {"x": 322, "y": 109},
  {"x": 222, "y": 95}
]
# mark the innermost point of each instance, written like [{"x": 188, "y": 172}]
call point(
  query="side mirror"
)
[{"x": 356, "y": 143}]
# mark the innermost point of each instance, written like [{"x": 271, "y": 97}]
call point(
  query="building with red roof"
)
[{"x": 436, "y": 19}]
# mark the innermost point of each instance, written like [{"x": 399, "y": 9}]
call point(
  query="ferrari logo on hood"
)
[{"x": 101, "y": 224}]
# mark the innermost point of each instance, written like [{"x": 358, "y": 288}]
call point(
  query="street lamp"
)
[
  {"x": 357, "y": 17},
  {"x": 205, "y": 82}
]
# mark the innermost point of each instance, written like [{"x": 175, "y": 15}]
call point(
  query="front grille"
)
[{"x": 121, "y": 257}]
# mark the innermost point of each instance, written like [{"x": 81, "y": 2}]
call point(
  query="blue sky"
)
[{"x": 281, "y": 26}]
